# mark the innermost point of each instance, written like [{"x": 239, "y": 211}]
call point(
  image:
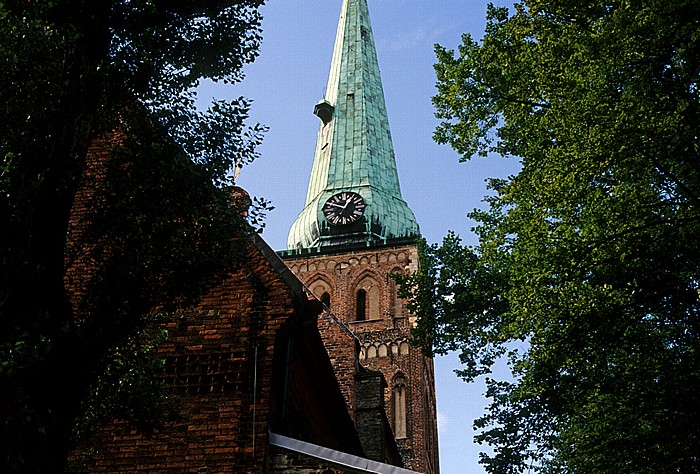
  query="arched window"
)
[
  {"x": 399, "y": 396},
  {"x": 326, "y": 299},
  {"x": 322, "y": 290},
  {"x": 361, "y": 305},
  {"x": 367, "y": 302}
]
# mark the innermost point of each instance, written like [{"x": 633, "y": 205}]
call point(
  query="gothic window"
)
[
  {"x": 322, "y": 290},
  {"x": 367, "y": 300},
  {"x": 399, "y": 408},
  {"x": 326, "y": 299},
  {"x": 361, "y": 305}
]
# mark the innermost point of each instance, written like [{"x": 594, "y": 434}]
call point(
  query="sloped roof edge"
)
[
  {"x": 280, "y": 267},
  {"x": 337, "y": 458}
]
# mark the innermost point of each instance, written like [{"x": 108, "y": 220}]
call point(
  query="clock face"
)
[{"x": 344, "y": 208}]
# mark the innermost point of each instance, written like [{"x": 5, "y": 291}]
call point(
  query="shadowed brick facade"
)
[
  {"x": 246, "y": 368},
  {"x": 299, "y": 362},
  {"x": 383, "y": 337}
]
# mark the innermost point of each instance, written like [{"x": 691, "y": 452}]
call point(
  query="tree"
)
[
  {"x": 163, "y": 227},
  {"x": 585, "y": 277}
]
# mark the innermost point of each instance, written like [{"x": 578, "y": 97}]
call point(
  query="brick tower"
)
[{"x": 356, "y": 230}]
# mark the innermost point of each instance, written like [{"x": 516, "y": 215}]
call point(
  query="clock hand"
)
[{"x": 336, "y": 205}]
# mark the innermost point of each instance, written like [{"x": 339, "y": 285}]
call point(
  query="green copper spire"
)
[{"x": 354, "y": 152}]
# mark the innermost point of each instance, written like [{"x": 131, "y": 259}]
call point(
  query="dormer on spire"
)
[{"x": 324, "y": 111}]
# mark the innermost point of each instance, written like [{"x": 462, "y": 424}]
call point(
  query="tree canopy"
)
[
  {"x": 163, "y": 226},
  {"x": 585, "y": 278}
]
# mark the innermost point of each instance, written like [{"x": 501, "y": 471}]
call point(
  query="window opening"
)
[
  {"x": 400, "y": 430},
  {"x": 326, "y": 299},
  {"x": 361, "y": 305}
]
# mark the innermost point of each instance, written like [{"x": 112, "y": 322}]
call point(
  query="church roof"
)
[{"x": 354, "y": 150}]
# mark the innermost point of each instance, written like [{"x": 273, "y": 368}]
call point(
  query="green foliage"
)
[
  {"x": 586, "y": 273},
  {"x": 127, "y": 390},
  {"x": 162, "y": 227}
]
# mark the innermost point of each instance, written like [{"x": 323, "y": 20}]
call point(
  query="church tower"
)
[{"x": 356, "y": 230}]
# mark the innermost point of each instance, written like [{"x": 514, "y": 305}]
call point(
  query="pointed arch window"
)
[
  {"x": 367, "y": 299},
  {"x": 326, "y": 299},
  {"x": 399, "y": 406},
  {"x": 322, "y": 290},
  {"x": 361, "y": 305}
]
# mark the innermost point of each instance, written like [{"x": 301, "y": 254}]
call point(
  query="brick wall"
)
[
  {"x": 79, "y": 264},
  {"x": 229, "y": 362},
  {"x": 383, "y": 338},
  {"x": 246, "y": 359},
  {"x": 343, "y": 349},
  {"x": 211, "y": 365}
]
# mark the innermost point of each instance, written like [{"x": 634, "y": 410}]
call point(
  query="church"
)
[
  {"x": 355, "y": 231},
  {"x": 301, "y": 361}
]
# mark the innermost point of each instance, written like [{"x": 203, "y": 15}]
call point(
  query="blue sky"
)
[{"x": 289, "y": 78}]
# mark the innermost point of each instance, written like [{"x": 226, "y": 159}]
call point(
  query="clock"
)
[{"x": 344, "y": 208}]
